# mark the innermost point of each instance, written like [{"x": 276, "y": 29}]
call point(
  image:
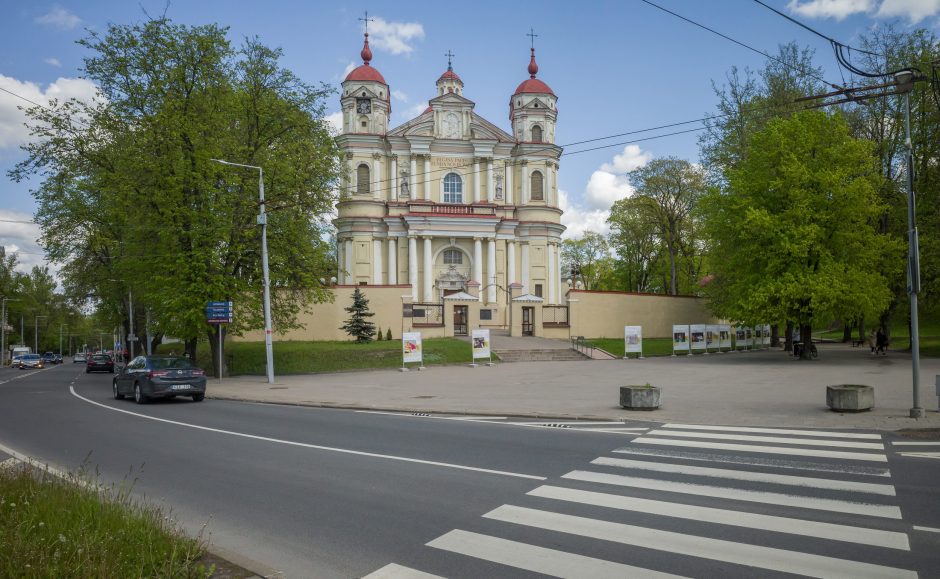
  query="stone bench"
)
[{"x": 850, "y": 397}]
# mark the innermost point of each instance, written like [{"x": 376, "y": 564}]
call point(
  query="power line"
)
[{"x": 814, "y": 31}]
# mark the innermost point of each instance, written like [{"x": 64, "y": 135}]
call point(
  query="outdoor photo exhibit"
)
[
  {"x": 766, "y": 341},
  {"x": 633, "y": 340},
  {"x": 698, "y": 336},
  {"x": 411, "y": 347},
  {"x": 680, "y": 339},
  {"x": 748, "y": 337},
  {"x": 739, "y": 337},
  {"x": 481, "y": 343},
  {"x": 711, "y": 337},
  {"x": 724, "y": 337}
]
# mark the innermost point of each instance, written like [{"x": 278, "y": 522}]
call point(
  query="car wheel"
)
[
  {"x": 111, "y": 371},
  {"x": 87, "y": 371},
  {"x": 139, "y": 395},
  {"x": 198, "y": 397},
  {"x": 117, "y": 395}
]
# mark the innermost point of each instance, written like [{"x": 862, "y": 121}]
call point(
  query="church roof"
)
[
  {"x": 366, "y": 72},
  {"x": 532, "y": 84},
  {"x": 450, "y": 74}
]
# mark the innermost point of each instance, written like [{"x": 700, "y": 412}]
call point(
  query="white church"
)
[{"x": 451, "y": 208}]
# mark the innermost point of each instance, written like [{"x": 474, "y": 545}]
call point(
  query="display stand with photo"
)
[
  {"x": 633, "y": 342},
  {"x": 412, "y": 351},
  {"x": 480, "y": 347},
  {"x": 680, "y": 339}
]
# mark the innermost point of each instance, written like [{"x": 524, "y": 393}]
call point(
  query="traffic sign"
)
[{"x": 219, "y": 313}]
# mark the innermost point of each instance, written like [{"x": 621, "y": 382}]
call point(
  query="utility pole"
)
[{"x": 130, "y": 323}]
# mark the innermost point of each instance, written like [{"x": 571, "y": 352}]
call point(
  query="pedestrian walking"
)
[
  {"x": 881, "y": 342},
  {"x": 871, "y": 341}
]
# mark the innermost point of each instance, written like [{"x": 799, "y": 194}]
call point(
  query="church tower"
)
[{"x": 365, "y": 101}]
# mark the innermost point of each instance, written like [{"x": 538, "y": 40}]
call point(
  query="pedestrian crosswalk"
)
[
  {"x": 598, "y": 426},
  {"x": 693, "y": 501},
  {"x": 918, "y": 449}
]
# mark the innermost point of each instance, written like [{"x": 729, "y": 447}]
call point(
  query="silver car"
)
[{"x": 30, "y": 361}]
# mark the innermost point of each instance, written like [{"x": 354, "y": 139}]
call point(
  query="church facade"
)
[{"x": 450, "y": 204}]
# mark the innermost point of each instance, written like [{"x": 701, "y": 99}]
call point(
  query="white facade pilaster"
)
[
  {"x": 352, "y": 174},
  {"x": 511, "y": 265},
  {"x": 428, "y": 271},
  {"x": 427, "y": 177},
  {"x": 411, "y": 178},
  {"x": 552, "y": 274},
  {"x": 558, "y": 271},
  {"x": 525, "y": 183},
  {"x": 550, "y": 181},
  {"x": 489, "y": 180},
  {"x": 525, "y": 267},
  {"x": 476, "y": 180},
  {"x": 393, "y": 181},
  {"x": 377, "y": 261},
  {"x": 392, "y": 261},
  {"x": 413, "y": 267},
  {"x": 491, "y": 271},
  {"x": 348, "y": 265},
  {"x": 377, "y": 187},
  {"x": 478, "y": 264},
  {"x": 508, "y": 193}
]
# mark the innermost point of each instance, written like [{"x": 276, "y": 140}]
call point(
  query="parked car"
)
[
  {"x": 79, "y": 357},
  {"x": 57, "y": 359},
  {"x": 147, "y": 377},
  {"x": 49, "y": 358},
  {"x": 15, "y": 361},
  {"x": 99, "y": 363},
  {"x": 30, "y": 361}
]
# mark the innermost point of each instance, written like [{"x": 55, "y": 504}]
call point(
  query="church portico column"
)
[
  {"x": 377, "y": 176},
  {"x": 508, "y": 194},
  {"x": 392, "y": 261},
  {"x": 552, "y": 274},
  {"x": 377, "y": 261},
  {"x": 476, "y": 180},
  {"x": 525, "y": 182},
  {"x": 427, "y": 178},
  {"x": 525, "y": 267},
  {"x": 491, "y": 270},
  {"x": 511, "y": 265},
  {"x": 428, "y": 271},
  {"x": 489, "y": 180},
  {"x": 348, "y": 259},
  {"x": 411, "y": 178},
  {"x": 478, "y": 263},
  {"x": 413, "y": 266},
  {"x": 393, "y": 181}
]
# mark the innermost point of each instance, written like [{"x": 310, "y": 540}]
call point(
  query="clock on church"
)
[{"x": 363, "y": 106}]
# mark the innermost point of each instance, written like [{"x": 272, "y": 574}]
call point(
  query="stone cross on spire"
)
[
  {"x": 367, "y": 20},
  {"x": 532, "y": 35},
  {"x": 449, "y": 56}
]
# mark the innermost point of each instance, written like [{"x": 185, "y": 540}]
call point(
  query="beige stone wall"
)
[
  {"x": 604, "y": 314},
  {"x": 323, "y": 321}
]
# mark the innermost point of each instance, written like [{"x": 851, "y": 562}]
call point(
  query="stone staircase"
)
[{"x": 540, "y": 355}]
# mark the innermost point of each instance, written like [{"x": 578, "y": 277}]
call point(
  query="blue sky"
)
[{"x": 616, "y": 66}]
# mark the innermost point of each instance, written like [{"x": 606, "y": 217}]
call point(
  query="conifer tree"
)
[{"x": 358, "y": 326}]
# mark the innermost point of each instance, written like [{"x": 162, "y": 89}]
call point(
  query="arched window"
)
[
  {"x": 536, "y": 134},
  {"x": 362, "y": 180},
  {"x": 537, "y": 194},
  {"x": 453, "y": 188},
  {"x": 453, "y": 257}
]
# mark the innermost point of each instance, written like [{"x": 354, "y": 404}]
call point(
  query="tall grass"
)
[{"x": 50, "y": 527}]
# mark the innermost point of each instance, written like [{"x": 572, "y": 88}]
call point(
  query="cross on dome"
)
[
  {"x": 366, "y": 53},
  {"x": 449, "y": 56}
]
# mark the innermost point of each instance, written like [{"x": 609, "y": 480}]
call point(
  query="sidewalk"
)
[{"x": 766, "y": 388}]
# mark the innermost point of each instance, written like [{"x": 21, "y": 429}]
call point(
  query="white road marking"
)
[
  {"x": 411, "y": 415},
  {"x": 757, "y": 461},
  {"x": 819, "y": 483},
  {"x": 849, "y": 534},
  {"x": 313, "y": 446},
  {"x": 920, "y": 454},
  {"x": 916, "y": 443},
  {"x": 797, "y": 501},
  {"x": 707, "y": 548},
  {"x": 763, "y": 449},
  {"x": 538, "y": 559},
  {"x": 772, "y": 439},
  {"x": 823, "y": 433},
  {"x": 568, "y": 422},
  {"x": 56, "y": 472},
  {"x": 17, "y": 377},
  {"x": 619, "y": 429},
  {"x": 927, "y": 529},
  {"x": 394, "y": 571}
]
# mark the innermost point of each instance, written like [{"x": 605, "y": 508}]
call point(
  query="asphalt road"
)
[{"x": 335, "y": 493}]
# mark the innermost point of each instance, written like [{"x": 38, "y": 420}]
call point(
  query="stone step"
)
[{"x": 544, "y": 355}]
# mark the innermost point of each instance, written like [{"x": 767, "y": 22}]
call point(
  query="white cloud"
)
[
  {"x": 395, "y": 37},
  {"x": 52, "y": 61},
  {"x": 631, "y": 158},
  {"x": 16, "y": 236},
  {"x": 335, "y": 122},
  {"x": 13, "y": 132},
  {"x": 59, "y": 17},
  {"x": 579, "y": 220},
  {"x": 603, "y": 188},
  {"x": 913, "y": 10},
  {"x": 399, "y": 96},
  {"x": 349, "y": 68}
]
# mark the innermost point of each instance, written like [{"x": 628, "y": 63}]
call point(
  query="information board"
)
[
  {"x": 481, "y": 343},
  {"x": 724, "y": 336},
  {"x": 680, "y": 338},
  {"x": 633, "y": 340},
  {"x": 697, "y": 339},
  {"x": 411, "y": 347}
]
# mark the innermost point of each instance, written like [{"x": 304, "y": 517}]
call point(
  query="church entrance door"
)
[
  {"x": 460, "y": 320},
  {"x": 528, "y": 321}
]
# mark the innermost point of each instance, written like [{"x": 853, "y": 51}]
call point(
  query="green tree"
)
[
  {"x": 634, "y": 240},
  {"x": 586, "y": 258},
  {"x": 131, "y": 193},
  {"x": 358, "y": 326},
  {"x": 794, "y": 236}
]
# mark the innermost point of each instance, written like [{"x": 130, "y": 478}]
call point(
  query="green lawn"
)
[
  {"x": 651, "y": 346},
  {"x": 901, "y": 339},
  {"x": 311, "y": 357},
  {"x": 50, "y": 527}
]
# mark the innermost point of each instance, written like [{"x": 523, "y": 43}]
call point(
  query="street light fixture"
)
[
  {"x": 263, "y": 222},
  {"x": 904, "y": 80}
]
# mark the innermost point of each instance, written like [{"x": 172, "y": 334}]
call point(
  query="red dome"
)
[
  {"x": 450, "y": 74},
  {"x": 367, "y": 73},
  {"x": 533, "y": 85}
]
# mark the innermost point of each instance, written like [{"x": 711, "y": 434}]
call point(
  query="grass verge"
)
[
  {"x": 311, "y": 357},
  {"x": 50, "y": 527},
  {"x": 929, "y": 332}
]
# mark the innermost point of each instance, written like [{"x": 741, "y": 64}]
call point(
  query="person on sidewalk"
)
[
  {"x": 881, "y": 342},
  {"x": 871, "y": 341}
]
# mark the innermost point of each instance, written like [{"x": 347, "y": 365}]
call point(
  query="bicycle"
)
[{"x": 798, "y": 350}]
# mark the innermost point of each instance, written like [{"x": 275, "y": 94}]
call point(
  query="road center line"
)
[{"x": 306, "y": 445}]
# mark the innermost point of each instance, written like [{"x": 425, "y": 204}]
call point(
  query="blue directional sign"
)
[{"x": 219, "y": 312}]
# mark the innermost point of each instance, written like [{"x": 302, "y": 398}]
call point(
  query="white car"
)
[{"x": 79, "y": 357}]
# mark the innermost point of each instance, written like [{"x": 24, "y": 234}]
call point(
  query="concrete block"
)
[
  {"x": 850, "y": 397},
  {"x": 639, "y": 397}
]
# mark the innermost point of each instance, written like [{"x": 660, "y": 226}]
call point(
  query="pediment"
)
[
  {"x": 536, "y": 101},
  {"x": 451, "y": 98},
  {"x": 483, "y": 129},
  {"x": 358, "y": 90},
  {"x": 421, "y": 125}
]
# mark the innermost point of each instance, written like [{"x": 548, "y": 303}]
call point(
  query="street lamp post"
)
[
  {"x": 905, "y": 82},
  {"x": 263, "y": 222},
  {"x": 36, "y": 337},
  {"x": 3, "y": 329}
]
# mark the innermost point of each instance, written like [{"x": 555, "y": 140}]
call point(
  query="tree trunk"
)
[
  {"x": 191, "y": 349},
  {"x": 806, "y": 337},
  {"x": 788, "y": 338},
  {"x": 213, "y": 335},
  {"x": 775, "y": 335},
  {"x": 672, "y": 272},
  {"x": 861, "y": 329},
  {"x": 846, "y": 332},
  {"x": 155, "y": 341}
]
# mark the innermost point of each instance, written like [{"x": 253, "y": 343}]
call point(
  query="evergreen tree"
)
[{"x": 357, "y": 325}]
